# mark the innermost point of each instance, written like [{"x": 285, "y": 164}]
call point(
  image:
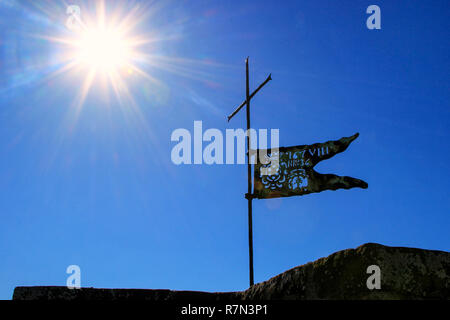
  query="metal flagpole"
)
[
  {"x": 248, "y": 195},
  {"x": 249, "y": 174}
]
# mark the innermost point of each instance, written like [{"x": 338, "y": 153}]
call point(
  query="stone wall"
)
[{"x": 406, "y": 273}]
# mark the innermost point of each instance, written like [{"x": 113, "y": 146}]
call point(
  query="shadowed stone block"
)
[{"x": 406, "y": 273}]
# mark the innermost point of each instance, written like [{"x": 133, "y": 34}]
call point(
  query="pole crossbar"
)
[{"x": 251, "y": 96}]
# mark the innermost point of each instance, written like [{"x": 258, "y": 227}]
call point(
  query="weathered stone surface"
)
[
  {"x": 406, "y": 273},
  {"x": 63, "y": 293}
]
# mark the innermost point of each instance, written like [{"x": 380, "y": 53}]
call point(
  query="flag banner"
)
[{"x": 289, "y": 171}]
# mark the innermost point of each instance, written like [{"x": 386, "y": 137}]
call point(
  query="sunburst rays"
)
[{"x": 104, "y": 47}]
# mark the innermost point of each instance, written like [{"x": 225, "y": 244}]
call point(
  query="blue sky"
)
[{"x": 94, "y": 185}]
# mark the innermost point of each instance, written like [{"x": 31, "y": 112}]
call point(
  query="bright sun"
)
[
  {"x": 103, "y": 49},
  {"x": 106, "y": 49}
]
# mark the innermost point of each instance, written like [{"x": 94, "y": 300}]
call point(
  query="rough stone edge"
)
[{"x": 90, "y": 293}]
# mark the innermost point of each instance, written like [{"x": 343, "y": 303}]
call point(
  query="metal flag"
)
[{"x": 289, "y": 171}]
